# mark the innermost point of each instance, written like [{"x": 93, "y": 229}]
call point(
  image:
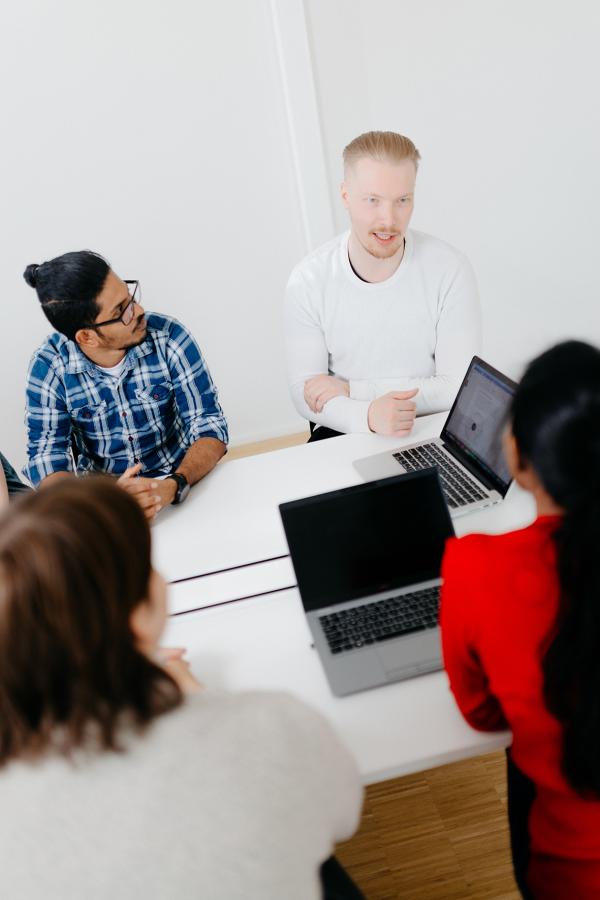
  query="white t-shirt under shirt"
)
[
  {"x": 417, "y": 329},
  {"x": 228, "y": 797},
  {"x": 114, "y": 371}
]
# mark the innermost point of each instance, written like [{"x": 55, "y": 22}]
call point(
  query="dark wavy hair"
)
[
  {"x": 67, "y": 287},
  {"x": 556, "y": 424},
  {"x": 74, "y": 564}
]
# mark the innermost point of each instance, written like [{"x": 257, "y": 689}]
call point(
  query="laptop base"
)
[
  {"x": 370, "y": 667},
  {"x": 384, "y": 465}
]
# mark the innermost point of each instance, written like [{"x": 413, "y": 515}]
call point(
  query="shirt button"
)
[
  {"x": 130, "y": 438},
  {"x": 124, "y": 414}
]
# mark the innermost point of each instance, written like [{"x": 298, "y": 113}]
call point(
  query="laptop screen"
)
[
  {"x": 367, "y": 539},
  {"x": 478, "y": 417}
]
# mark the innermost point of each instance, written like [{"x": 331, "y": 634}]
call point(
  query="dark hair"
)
[
  {"x": 67, "y": 287},
  {"x": 556, "y": 424},
  {"x": 74, "y": 564}
]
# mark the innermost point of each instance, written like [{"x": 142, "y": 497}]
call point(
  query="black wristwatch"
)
[{"x": 183, "y": 488}]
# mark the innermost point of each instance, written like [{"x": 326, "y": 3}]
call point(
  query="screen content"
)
[
  {"x": 366, "y": 539},
  {"x": 479, "y": 417}
]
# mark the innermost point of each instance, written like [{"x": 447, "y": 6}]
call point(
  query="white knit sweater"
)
[
  {"x": 418, "y": 328},
  {"x": 229, "y": 797}
]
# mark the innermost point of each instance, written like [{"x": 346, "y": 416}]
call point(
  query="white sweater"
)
[
  {"x": 229, "y": 797},
  {"x": 419, "y": 328}
]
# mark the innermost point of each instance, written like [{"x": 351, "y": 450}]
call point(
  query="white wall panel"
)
[
  {"x": 155, "y": 133},
  {"x": 501, "y": 99}
]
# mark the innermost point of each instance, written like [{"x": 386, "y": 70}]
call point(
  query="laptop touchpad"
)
[{"x": 416, "y": 651}]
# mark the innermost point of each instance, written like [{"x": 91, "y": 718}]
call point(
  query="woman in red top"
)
[{"x": 520, "y": 620}]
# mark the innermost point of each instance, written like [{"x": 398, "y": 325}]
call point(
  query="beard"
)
[
  {"x": 382, "y": 252},
  {"x": 139, "y": 334}
]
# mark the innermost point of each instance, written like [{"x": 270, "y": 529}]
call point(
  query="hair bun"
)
[{"x": 30, "y": 275}]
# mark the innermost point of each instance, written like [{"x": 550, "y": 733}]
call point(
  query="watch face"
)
[
  {"x": 182, "y": 491},
  {"x": 183, "y": 488}
]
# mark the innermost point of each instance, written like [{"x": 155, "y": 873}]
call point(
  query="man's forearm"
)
[
  {"x": 202, "y": 456},
  {"x": 436, "y": 392},
  {"x": 340, "y": 413}
]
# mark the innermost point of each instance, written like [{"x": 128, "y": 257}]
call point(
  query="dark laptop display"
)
[
  {"x": 367, "y": 539},
  {"x": 475, "y": 422}
]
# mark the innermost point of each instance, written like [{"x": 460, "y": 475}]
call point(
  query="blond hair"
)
[{"x": 382, "y": 146}]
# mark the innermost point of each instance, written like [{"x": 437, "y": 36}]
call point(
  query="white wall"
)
[
  {"x": 156, "y": 134},
  {"x": 165, "y": 137},
  {"x": 501, "y": 98}
]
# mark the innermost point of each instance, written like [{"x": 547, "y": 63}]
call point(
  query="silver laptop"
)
[
  {"x": 468, "y": 453},
  {"x": 367, "y": 561}
]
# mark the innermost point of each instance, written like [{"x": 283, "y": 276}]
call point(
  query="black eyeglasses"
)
[{"x": 126, "y": 316}]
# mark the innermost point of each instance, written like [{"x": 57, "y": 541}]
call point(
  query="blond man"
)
[{"x": 382, "y": 321}]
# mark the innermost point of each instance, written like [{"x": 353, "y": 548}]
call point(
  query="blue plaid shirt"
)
[{"x": 162, "y": 401}]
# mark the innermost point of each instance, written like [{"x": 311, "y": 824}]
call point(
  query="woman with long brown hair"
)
[{"x": 119, "y": 777}]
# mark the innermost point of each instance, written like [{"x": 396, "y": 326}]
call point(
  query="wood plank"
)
[
  {"x": 438, "y": 835},
  {"x": 278, "y": 443}
]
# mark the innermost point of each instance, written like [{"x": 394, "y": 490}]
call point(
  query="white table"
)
[
  {"x": 240, "y": 583},
  {"x": 226, "y": 550},
  {"x": 231, "y": 517},
  {"x": 264, "y": 643}
]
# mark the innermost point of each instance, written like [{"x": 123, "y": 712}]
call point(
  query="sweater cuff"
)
[
  {"x": 346, "y": 415},
  {"x": 361, "y": 389}
]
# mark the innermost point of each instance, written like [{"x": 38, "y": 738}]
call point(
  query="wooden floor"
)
[
  {"x": 278, "y": 443},
  {"x": 438, "y": 835}
]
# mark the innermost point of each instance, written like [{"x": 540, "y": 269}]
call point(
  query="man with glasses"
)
[{"x": 117, "y": 391}]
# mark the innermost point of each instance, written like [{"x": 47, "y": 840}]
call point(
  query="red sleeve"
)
[{"x": 468, "y": 679}]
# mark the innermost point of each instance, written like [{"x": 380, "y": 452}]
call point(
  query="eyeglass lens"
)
[{"x": 128, "y": 312}]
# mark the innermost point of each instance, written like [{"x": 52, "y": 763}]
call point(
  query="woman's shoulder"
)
[
  {"x": 489, "y": 546},
  {"x": 494, "y": 553},
  {"x": 271, "y": 732},
  {"x": 254, "y": 717}
]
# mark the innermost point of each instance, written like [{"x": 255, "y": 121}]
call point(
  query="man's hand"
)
[
  {"x": 145, "y": 490},
  {"x": 166, "y": 488},
  {"x": 321, "y": 388},
  {"x": 394, "y": 413}
]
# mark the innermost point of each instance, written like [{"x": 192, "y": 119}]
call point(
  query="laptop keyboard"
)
[
  {"x": 381, "y": 620},
  {"x": 457, "y": 486}
]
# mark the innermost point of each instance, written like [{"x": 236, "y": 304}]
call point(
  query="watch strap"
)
[{"x": 182, "y": 484}]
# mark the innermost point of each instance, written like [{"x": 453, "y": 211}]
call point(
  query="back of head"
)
[
  {"x": 67, "y": 287},
  {"x": 382, "y": 146},
  {"x": 556, "y": 425},
  {"x": 74, "y": 564}
]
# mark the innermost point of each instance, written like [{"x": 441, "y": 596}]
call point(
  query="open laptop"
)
[
  {"x": 468, "y": 453},
  {"x": 367, "y": 560}
]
